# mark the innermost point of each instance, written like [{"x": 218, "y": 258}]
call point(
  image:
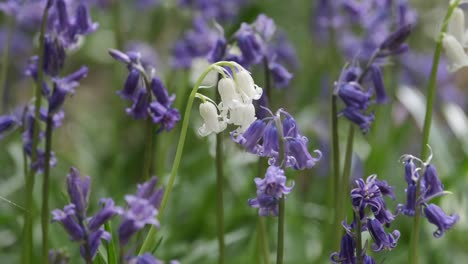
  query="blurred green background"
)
[{"x": 102, "y": 141}]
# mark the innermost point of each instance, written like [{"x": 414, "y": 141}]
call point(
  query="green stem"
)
[
  {"x": 263, "y": 240},
  {"x": 281, "y": 211},
  {"x": 45, "y": 191},
  {"x": 431, "y": 90},
  {"x": 5, "y": 60},
  {"x": 110, "y": 246},
  {"x": 335, "y": 180},
  {"x": 117, "y": 17},
  {"x": 358, "y": 237},
  {"x": 28, "y": 223},
  {"x": 344, "y": 186},
  {"x": 219, "y": 195},
  {"x": 150, "y": 238},
  {"x": 219, "y": 189},
  {"x": 148, "y": 149}
]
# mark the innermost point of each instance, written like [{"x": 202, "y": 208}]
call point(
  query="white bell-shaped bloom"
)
[
  {"x": 230, "y": 98},
  {"x": 455, "y": 53},
  {"x": 246, "y": 85},
  {"x": 212, "y": 121},
  {"x": 456, "y": 25},
  {"x": 199, "y": 65},
  {"x": 243, "y": 116}
]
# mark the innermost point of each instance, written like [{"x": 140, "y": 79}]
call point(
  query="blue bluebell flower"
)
[
  {"x": 141, "y": 210},
  {"x": 269, "y": 190},
  {"x": 88, "y": 231},
  {"x": 262, "y": 139},
  {"x": 347, "y": 251},
  {"x": 382, "y": 240},
  {"x": 7, "y": 122},
  {"x": 435, "y": 215}
]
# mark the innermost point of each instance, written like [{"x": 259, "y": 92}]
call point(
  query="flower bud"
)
[
  {"x": 246, "y": 84},
  {"x": 455, "y": 53},
  {"x": 209, "y": 113},
  {"x": 228, "y": 93}
]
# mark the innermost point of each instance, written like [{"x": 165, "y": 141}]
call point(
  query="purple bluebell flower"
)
[
  {"x": 54, "y": 56},
  {"x": 251, "y": 137},
  {"x": 63, "y": 87},
  {"x": 141, "y": 211},
  {"x": 431, "y": 183},
  {"x": 435, "y": 215},
  {"x": 107, "y": 211},
  {"x": 250, "y": 44},
  {"x": 131, "y": 85},
  {"x": 280, "y": 74},
  {"x": 347, "y": 251},
  {"x": 382, "y": 240},
  {"x": 197, "y": 42},
  {"x": 93, "y": 243},
  {"x": 263, "y": 140},
  {"x": 362, "y": 120},
  {"x": 214, "y": 9},
  {"x": 368, "y": 194},
  {"x": 7, "y": 122},
  {"x": 83, "y": 23},
  {"x": 157, "y": 104},
  {"x": 368, "y": 260},
  {"x": 395, "y": 40},
  {"x": 78, "y": 189},
  {"x": 378, "y": 83},
  {"x": 139, "y": 109},
  {"x": 81, "y": 228},
  {"x": 146, "y": 258},
  {"x": 269, "y": 190},
  {"x": 270, "y": 146},
  {"x": 354, "y": 96},
  {"x": 66, "y": 218}
]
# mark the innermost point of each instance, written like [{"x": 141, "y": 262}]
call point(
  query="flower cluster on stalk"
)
[
  {"x": 237, "y": 90},
  {"x": 371, "y": 215},
  {"x": 256, "y": 43},
  {"x": 149, "y": 95},
  {"x": 141, "y": 210},
  {"x": 455, "y": 41},
  {"x": 87, "y": 231},
  {"x": 263, "y": 138},
  {"x": 430, "y": 186},
  {"x": 357, "y": 85},
  {"x": 62, "y": 33}
]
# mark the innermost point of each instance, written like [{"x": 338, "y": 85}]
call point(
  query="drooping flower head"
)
[
  {"x": 262, "y": 138},
  {"x": 88, "y": 231},
  {"x": 141, "y": 210},
  {"x": 149, "y": 95},
  {"x": 269, "y": 190},
  {"x": 430, "y": 187}
]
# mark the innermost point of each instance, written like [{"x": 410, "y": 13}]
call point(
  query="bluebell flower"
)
[
  {"x": 431, "y": 183},
  {"x": 347, "y": 251},
  {"x": 7, "y": 122},
  {"x": 139, "y": 109},
  {"x": 281, "y": 76},
  {"x": 88, "y": 231},
  {"x": 368, "y": 194},
  {"x": 66, "y": 218},
  {"x": 250, "y": 44},
  {"x": 157, "y": 104},
  {"x": 78, "y": 189},
  {"x": 63, "y": 87},
  {"x": 435, "y": 215},
  {"x": 214, "y": 9},
  {"x": 269, "y": 190},
  {"x": 147, "y": 258},
  {"x": 131, "y": 85},
  {"x": 54, "y": 56},
  {"x": 382, "y": 240},
  {"x": 262, "y": 139},
  {"x": 141, "y": 210}
]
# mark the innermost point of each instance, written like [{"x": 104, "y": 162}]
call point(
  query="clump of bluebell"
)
[
  {"x": 147, "y": 92},
  {"x": 430, "y": 186},
  {"x": 358, "y": 85},
  {"x": 141, "y": 210},
  {"x": 371, "y": 215},
  {"x": 263, "y": 138}
]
